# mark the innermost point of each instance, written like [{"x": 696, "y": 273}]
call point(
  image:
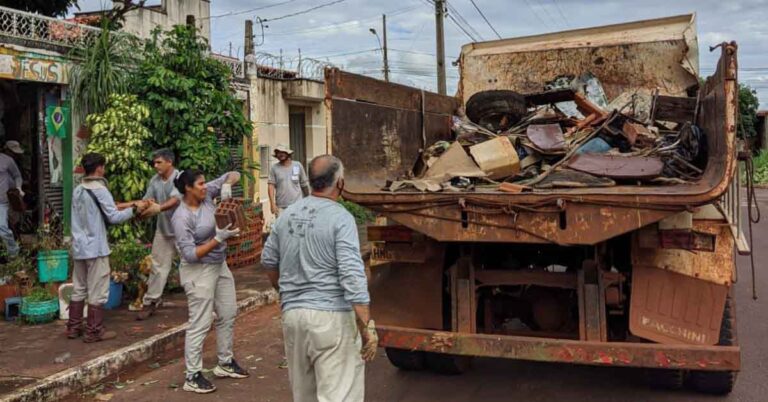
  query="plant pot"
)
[
  {"x": 52, "y": 265},
  {"x": 7, "y": 291},
  {"x": 115, "y": 298},
  {"x": 39, "y": 312}
]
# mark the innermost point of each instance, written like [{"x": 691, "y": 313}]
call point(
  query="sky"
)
[{"x": 338, "y": 31}]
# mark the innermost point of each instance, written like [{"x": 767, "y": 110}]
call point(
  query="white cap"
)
[{"x": 14, "y": 147}]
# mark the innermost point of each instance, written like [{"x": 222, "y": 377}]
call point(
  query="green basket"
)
[{"x": 39, "y": 312}]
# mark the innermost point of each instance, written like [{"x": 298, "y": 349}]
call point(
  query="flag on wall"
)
[{"x": 57, "y": 121}]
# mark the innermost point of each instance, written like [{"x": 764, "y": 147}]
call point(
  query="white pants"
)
[
  {"x": 209, "y": 288},
  {"x": 163, "y": 251},
  {"x": 323, "y": 352},
  {"x": 90, "y": 279},
  {"x": 6, "y": 235}
]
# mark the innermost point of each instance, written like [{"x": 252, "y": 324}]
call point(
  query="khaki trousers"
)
[
  {"x": 323, "y": 352},
  {"x": 90, "y": 280},
  {"x": 163, "y": 252},
  {"x": 209, "y": 288}
]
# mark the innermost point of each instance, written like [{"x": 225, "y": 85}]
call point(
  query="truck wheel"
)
[
  {"x": 490, "y": 107},
  {"x": 719, "y": 382},
  {"x": 665, "y": 378},
  {"x": 406, "y": 359},
  {"x": 448, "y": 364}
]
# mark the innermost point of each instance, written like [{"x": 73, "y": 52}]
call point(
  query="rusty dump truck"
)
[{"x": 623, "y": 276}]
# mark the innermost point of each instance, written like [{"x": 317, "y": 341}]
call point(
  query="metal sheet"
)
[
  {"x": 675, "y": 309},
  {"x": 547, "y": 137},
  {"x": 618, "y": 354},
  {"x": 617, "y": 167},
  {"x": 716, "y": 267}
]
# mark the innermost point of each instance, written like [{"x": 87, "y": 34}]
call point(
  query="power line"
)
[
  {"x": 342, "y": 23},
  {"x": 535, "y": 14},
  {"x": 560, "y": 11},
  {"x": 463, "y": 20},
  {"x": 250, "y": 10},
  {"x": 282, "y": 17},
  {"x": 486, "y": 19},
  {"x": 431, "y": 3}
]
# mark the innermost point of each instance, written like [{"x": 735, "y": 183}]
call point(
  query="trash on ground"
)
[
  {"x": 62, "y": 358},
  {"x": 569, "y": 135}
]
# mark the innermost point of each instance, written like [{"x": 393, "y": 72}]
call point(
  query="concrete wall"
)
[
  {"x": 141, "y": 22},
  {"x": 271, "y": 104}
]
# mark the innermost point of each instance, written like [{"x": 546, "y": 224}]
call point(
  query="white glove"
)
[
  {"x": 21, "y": 192},
  {"x": 226, "y": 191},
  {"x": 223, "y": 234}
]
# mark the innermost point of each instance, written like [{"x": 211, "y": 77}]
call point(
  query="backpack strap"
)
[{"x": 98, "y": 205}]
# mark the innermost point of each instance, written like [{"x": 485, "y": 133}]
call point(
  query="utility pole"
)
[
  {"x": 440, "y": 34},
  {"x": 386, "y": 61},
  {"x": 248, "y": 49},
  {"x": 230, "y": 49}
]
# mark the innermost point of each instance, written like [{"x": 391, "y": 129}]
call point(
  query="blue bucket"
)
[
  {"x": 52, "y": 265},
  {"x": 115, "y": 298}
]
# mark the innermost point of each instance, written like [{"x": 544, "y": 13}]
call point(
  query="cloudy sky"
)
[{"x": 337, "y": 31}]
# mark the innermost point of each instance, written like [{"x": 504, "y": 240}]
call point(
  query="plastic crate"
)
[{"x": 246, "y": 249}]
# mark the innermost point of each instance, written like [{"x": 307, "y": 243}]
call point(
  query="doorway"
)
[{"x": 297, "y": 127}]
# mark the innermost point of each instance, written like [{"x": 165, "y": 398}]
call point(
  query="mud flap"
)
[{"x": 671, "y": 308}]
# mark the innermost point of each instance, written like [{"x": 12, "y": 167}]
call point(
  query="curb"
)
[{"x": 61, "y": 384}]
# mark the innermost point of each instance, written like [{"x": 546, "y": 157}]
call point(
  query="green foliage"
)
[
  {"x": 120, "y": 135},
  {"x": 12, "y": 265},
  {"x": 103, "y": 68},
  {"x": 124, "y": 262},
  {"x": 190, "y": 100},
  {"x": 38, "y": 294},
  {"x": 760, "y": 162},
  {"x": 50, "y": 8},
  {"x": 748, "y": 105},
  {"x": 361, "y": 214}
]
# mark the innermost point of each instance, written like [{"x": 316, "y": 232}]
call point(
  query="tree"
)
[
  {"x": 748, "y": 105},
  {"x": 51, "y": 8},
  {"x": 190, "y": 101}
]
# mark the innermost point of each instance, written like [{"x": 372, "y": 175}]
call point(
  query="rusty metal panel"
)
[
  {"x": 617, "y": 354},
  {"x": 717, "y": 267},
  {"x": 652, "y": 54},
  {"x": 667, "y": 307},
  {"x": 547, "y": 137},
  {"x": 500, "y": 277},
  {"x": 617, "y": 167},
  {"x": 383, "y": 252},
  {"x": 410, "y": 295}
]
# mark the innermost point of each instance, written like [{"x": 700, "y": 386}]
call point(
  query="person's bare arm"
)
[
  {"x": 170, "y": 204},
  {"x": 363, "y": 315},
  {"x": 272, "y": 202},
  {"x": 205, "y": 248},
  {"x": 233, "y": 178},
  {"x": 274, "y": 277}
]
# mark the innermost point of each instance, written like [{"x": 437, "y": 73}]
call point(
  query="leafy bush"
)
[
  {"x": 361, "y": 214},
  {"x": 761, "y": 167},
  {"x": 124, "y": 263},
  {"x": 120, "y": 135},
  {"x": 39, "y": 294}
]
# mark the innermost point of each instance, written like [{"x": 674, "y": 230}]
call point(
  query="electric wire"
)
[
  {"x": 355, "y": 21},
  {"x": 484, "y": 18},
  {"x": 250, "y": 10},
  {"x": 308, "y": 10}
]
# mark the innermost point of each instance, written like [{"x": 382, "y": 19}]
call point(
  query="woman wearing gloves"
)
[{"x": 205, "y": 276}]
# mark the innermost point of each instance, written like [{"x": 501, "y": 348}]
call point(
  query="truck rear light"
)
[{"x": 687, "y": 240}]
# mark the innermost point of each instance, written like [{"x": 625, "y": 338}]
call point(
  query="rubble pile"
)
[{"x": 568, "y": 136}]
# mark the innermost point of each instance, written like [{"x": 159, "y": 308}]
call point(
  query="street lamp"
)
[{"x": 383, "y": 48}]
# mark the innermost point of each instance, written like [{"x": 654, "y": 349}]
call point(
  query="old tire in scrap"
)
[
  {"x": 719, "y": 382},
  {"x": 665, "y": 378},
  {"x": 448, "y": 364},
  {"x": 405, "y": 359},
  {"x": 489, "y": 108}
]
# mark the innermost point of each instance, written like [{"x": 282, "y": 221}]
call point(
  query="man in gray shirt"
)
[
  {"x": 10, "y": 177},
  {"x": 287, "y": 181},
  {"x": 165, "y": 197},
  {"x": 313, "y": 257}
]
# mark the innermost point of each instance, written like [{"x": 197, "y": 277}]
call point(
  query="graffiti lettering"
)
[{"x": 673, "y": 330}]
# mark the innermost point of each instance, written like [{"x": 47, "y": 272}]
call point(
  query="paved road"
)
[{"x": 259, "y": 347}]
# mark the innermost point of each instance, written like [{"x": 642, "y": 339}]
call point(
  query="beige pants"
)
[
  {"x": 323, "y": 352},
  {"x": 90, "y": 279},
  {"x": 209, "y": 288},
  {"x": 163, "y": 251}
]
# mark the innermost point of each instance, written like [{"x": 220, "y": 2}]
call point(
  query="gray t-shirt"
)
[
  {"x": 10, "y": 177},
  {"x": 315, "y": 247},
  {"x": 193, "y": 228},
  {"x": 161, "y": 191},
  {"x": 288, "y": 181}
]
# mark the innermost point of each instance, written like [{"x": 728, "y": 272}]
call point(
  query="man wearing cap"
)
[
  {"x": 10, "y": 178},
  {"x": 288, "y": 181}
]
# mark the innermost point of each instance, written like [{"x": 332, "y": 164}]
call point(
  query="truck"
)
[{"x": 623, "y": 276}]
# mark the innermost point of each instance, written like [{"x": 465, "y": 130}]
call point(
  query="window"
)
[{"x": 264, "y": 155}]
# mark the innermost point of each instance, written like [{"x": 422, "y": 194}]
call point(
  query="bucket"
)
[
  {"x": 115, "y": 298},
  {"x": 52, "y": 266}
]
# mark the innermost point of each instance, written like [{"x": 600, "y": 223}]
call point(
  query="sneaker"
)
[
  {"x": 197, "y": 383},
  {"x": 148, "y": 311},
  {"x": 231, "y": 370}
]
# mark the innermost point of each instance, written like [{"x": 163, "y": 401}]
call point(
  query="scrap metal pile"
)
[{"x": 568, "y": 136}]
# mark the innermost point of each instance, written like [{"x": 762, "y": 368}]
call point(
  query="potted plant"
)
[
  {"x": 39, "y": 306},
  {"x": 52, "y": 257},
  {"x": 8, "y": 270},
  {"x": 125, "y": 262}
]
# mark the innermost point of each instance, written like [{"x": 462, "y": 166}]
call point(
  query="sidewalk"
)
[{"x": 29, "y": 353}]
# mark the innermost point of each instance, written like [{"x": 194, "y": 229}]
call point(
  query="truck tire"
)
[
  {"x": 665, "y": 378},
  {"x": 448, "y": 364},
  {"x": 719, "y": 382},
  {"x": 488, "y": 107},
  {"x": 405, "y": 359}
]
